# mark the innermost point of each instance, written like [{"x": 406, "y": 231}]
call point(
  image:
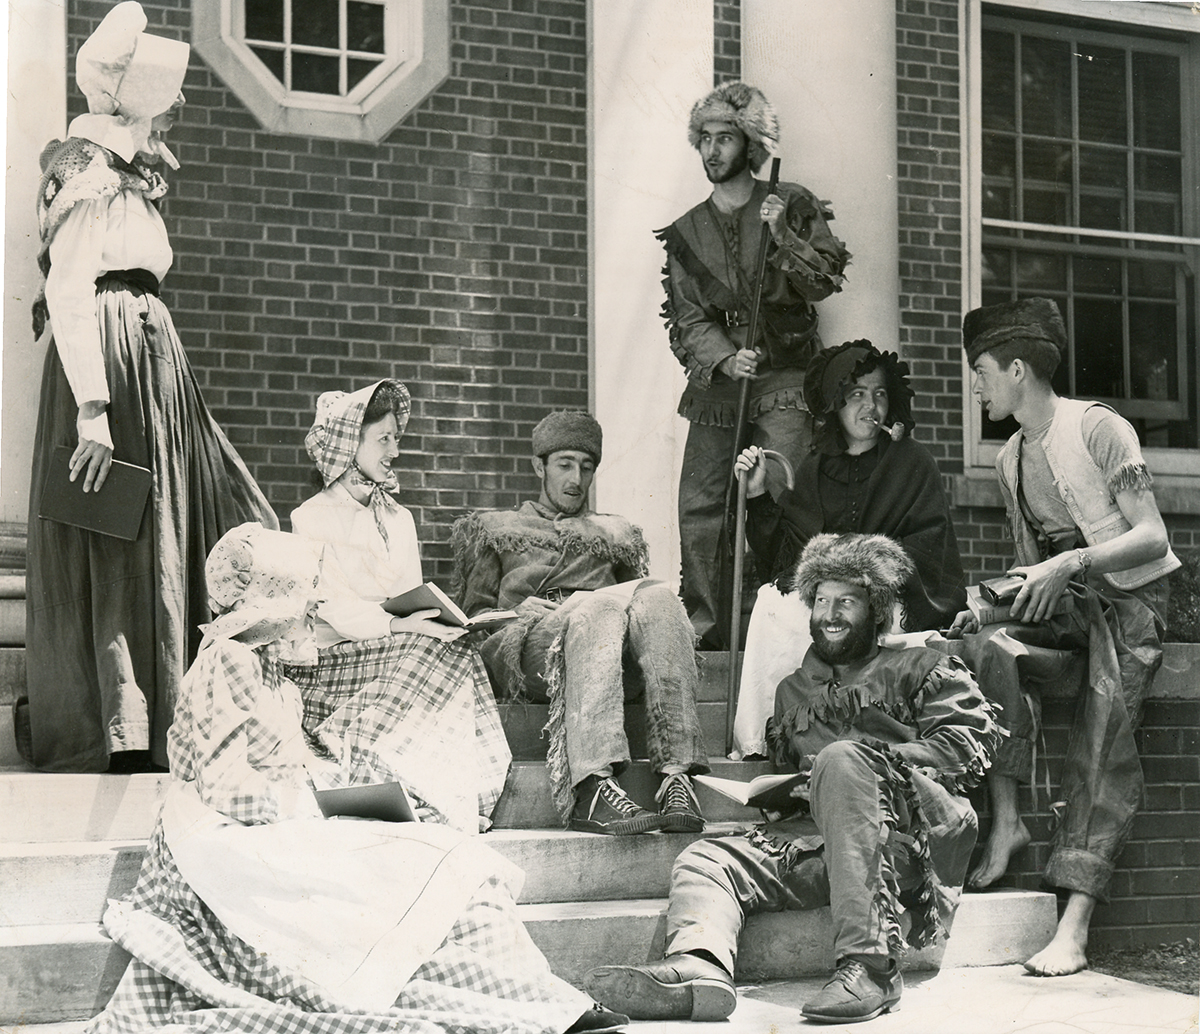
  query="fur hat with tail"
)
[
  {"x": 744, "y": 107},
  {"x": 876, "y": 562}
]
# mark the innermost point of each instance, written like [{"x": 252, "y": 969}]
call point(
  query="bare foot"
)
[
  {"x": 1004, "y": 841},
  {"x": 1067, "y": 951},
  {"x": 1063, "y": 955}
]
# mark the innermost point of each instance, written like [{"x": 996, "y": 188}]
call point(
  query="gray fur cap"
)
[
  {"x": 744, "y": 107},
  {"x": 876, "y": 562}
]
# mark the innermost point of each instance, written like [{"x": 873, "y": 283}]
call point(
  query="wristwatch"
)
[{"x": 1085, "y": 560}]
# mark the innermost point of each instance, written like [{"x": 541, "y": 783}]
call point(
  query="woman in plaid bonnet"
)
[{"x": 390, "y": 698}]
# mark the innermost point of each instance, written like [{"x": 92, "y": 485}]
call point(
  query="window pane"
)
[
  {"x": 314, "y": 73},
  {"x": 1036, "y": 272},
  {"x": 364, "y": 27},
  {"x": 1156, "y": 217},
  {"x": 264, "y": 20},
  {"x": 1098, "y": 276},
  {"x": 273, "y": 59},
  {"x": 1099, "y": 352},
  {"x": 315, "y": 24},
  {"x": 1153, "y": 351},
  {"x": 997, "y": 270},
  {"x": 1101, "y": 93},
  {"x": 357, "y": 70},
  {"x": 1156, "y": 116},
  {"x": 1046, "y": 87},
  {"x": 1157, "y": 172},
  {"x": 999, "y": 80},
  {"x": 1152, "y": 279},
  {"x": 1047, "y": 183}
]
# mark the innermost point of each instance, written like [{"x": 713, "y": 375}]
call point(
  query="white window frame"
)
[
  {"x": 1177, "y": 471},
  {"x": 417, "y": 62}
]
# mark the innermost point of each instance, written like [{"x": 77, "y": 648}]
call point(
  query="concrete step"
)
[
  {"x": 71, "y": 882},
  {"x": 65, "y": 972},
  {"x": 40, "y": 807}
]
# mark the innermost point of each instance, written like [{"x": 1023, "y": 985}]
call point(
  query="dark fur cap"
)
[
  {"x": 876, "y": 562},
  {"x": 1035, "y": 319},
  {"x": 747, "y": 109},
  {"x": 568, "y": 429}
]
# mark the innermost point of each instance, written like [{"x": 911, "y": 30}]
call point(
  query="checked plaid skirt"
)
[
  {"x": 411, "y": 708},
  {"x": 190, "y": 973}
]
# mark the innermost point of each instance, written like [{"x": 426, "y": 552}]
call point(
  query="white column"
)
[
  {"x": 36, "y": 113},
  {"x": 830, "y": 71},
  {"x": 649, "y": 62}
]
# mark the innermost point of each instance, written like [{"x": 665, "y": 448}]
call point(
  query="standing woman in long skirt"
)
[{"x": 111, "y": 624}]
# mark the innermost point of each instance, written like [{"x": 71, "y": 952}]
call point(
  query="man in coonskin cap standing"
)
[
  {"x": 584, "y": 651},
  {"x": 712, "y": 253},
  {"x": 1083, "y": 517}
]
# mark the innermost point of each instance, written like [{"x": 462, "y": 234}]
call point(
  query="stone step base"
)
[
  {"x": 55, "y": 973},
  {"x": 49, "y": 808},
  {"x": 71, "y": 883}
]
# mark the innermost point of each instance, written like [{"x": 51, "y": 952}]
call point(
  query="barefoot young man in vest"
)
[
  {"x": 586, "y": 652},
  {"x": 1081, "y": 511},
  {"x": 889, "y": 740},
  {"x": 712, "y": 252}
]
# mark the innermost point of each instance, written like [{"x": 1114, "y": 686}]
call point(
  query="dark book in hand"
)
[{"x": 115, "y": 510}]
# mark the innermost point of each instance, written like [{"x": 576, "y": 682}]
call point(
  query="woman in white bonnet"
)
[
  {"x": 111, "y": 624},
  {"x": 391, "y": 698},
  {"x": 254, "y": 913}
]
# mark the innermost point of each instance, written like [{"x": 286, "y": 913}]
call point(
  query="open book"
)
[
  {"x": 430, "y": 597},
  {"x": 386, "y": 802},
  {"x": 771, "y": 792}
]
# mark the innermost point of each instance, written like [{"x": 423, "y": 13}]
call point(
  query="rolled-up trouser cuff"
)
[
  {"x": 1014, "y": 758},
  {"x": 1076, "y": 870}
]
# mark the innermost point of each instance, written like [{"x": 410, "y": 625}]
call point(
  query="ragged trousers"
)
[
  {"x": 718, "y": 882},
  {"x": 613, "y": 650},
  {"x": 1111, "y": 647},
  {"x": 702, "y": 484}
]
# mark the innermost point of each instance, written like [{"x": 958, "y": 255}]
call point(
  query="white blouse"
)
[
  {"x": 359, "y": 571},
  {"x": 99, "y": 235}
]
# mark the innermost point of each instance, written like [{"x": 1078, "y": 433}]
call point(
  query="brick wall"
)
[
  {"x": 1152, "y": 895},
  {"x": 453, "y": 256},
  {"x": 727, "y": 41}
]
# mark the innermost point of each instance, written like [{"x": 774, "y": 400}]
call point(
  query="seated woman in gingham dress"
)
[
  {"x": 391, "y": 698},
  {"x": 253, "y": 913}
]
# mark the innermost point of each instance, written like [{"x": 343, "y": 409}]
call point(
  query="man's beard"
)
[
  {"x": 857, "y": 643},
  {"x": 733, "y": 169}
]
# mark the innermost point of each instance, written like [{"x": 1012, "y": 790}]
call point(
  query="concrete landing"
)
[{"x": 994, "y": 1000}]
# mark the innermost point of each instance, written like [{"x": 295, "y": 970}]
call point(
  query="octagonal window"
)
[{"x": 350, "y": 69}]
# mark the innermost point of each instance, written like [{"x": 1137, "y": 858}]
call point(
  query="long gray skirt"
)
[{"x": 111, "y": 625}]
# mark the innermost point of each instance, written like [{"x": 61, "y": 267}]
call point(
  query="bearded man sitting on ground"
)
[{"x": 889, "y": 741}]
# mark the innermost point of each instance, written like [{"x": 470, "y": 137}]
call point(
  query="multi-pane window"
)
[
  {"x": 317, "y": 46},
  {"x": 1086, "y": 184}
]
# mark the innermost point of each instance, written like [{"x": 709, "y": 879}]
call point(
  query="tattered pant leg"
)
[
  {"x": 702, "y": 482},
  {"x": 702, "y": 485},
  {"x": 1102, "y": 775},
  {"x": 590, "y": 631},
  {"x": 1012, "y": 664},
  {"x": 660, "y": 645},
  {"x": 850, "y": 800},
  {"x": 716, "y": 883}
]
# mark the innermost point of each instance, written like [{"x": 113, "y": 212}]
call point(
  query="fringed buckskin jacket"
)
[
  {"x": 709, "y": 279},
  {"x": 502, "y": 557},
  {"x": 934, "y": 736}
]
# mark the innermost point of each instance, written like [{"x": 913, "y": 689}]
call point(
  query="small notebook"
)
[
  {"x": 115, "y": 510},
  {"x": 384, "y": 801}
]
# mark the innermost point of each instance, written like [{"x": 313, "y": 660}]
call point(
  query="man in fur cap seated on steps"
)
[
  {"x": 586, "y": 652},
  {"x": 889, "y": 741}
]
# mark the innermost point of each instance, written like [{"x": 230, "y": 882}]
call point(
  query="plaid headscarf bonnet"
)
[{"x": 333, "y": 440}]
